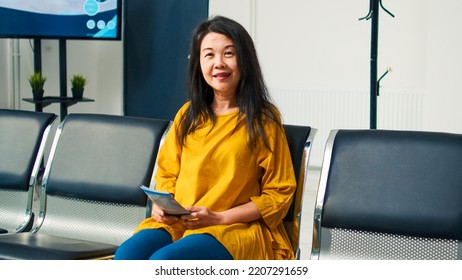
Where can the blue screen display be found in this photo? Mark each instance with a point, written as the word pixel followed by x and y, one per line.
pixel 70 19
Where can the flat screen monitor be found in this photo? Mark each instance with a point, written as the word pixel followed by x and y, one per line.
pixel 61 19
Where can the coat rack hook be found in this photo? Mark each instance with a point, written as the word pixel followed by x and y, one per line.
pixel 371 12
pixel 368 16
pixel 381 77
pixel 388 12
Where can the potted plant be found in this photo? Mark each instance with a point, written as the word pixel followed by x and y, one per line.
pixel 37 81
pixel 78 83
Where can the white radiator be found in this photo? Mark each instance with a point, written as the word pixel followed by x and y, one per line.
pixel 335 109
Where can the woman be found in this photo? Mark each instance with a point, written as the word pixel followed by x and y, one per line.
pixel 226 155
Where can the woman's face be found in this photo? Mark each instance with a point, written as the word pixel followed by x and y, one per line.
pixel 219 64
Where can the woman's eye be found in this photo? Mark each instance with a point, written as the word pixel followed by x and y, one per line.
pixel 208 55
pixel 229 53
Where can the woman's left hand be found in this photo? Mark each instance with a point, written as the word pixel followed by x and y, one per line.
pixel 200 217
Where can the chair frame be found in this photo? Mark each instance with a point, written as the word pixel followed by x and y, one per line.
pixel 292 221
pixel 319 205
pixel 43 196
pixel 48 243
pixel 46 175
pixel 38 158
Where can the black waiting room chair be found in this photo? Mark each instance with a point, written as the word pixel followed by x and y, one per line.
pixel 387 194
pixel 91 199
pixel 23 137
pixel 300 140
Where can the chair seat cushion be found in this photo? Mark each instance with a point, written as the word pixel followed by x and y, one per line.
pixel 36 246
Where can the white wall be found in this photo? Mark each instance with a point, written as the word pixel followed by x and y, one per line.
pixel 308 50
pixel 443 71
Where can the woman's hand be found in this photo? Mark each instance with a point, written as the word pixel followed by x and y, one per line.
pixel 161 217
pixel 201 217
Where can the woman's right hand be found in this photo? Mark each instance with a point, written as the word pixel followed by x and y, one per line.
pixel 160 216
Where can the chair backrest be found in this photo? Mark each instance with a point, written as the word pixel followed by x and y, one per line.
pixel 91 186
pixel 23 136
pixel 389 195
pixel 300 139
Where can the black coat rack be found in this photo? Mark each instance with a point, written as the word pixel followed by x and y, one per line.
pixel 373 14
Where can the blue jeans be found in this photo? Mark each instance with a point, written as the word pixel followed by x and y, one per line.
pixel 157 244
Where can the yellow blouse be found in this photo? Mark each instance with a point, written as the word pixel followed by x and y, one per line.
pixel 217 169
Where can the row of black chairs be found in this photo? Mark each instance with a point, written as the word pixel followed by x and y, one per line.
pixel 90 200
pixel 382 194
pixel 387 194
pixel 89 194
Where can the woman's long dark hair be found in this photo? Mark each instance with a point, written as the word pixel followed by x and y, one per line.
pixel 252 95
